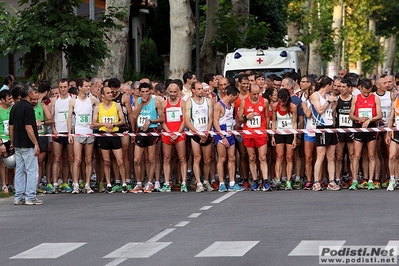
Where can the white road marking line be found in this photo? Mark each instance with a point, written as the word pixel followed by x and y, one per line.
pixel 194 215
pixel 311 247
pixel 226 196
pixel 227 249
pixel 205 208
pixel 115 262
pixel 48 251
pixel 137 250
pixel 182 224
pixel 160 235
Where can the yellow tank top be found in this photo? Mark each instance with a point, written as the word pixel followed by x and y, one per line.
pixel 109 115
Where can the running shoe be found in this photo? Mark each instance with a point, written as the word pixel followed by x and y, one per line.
pixel 19 202
pixel 317 187
pixel 39 189
pixel 5 190
pixel 297 184
pixel 255 186
pixel 391 185
pixel 371 185
pixel 101 187
pixel 148 187
pixel 208 186
pixel 137 189
pixel 222 188
pixel 215 185
pixel 236 187
pixel 308 186
pixel 246 185
pixel 34 201
pixel 333 186
pixel 54 190
pixel 277 183
pixel 288 185
pixel 363 184
pixel 353 185
pixel 129 187
pixel 183 187
pixel 117 188
pixel 109 189
pixel 49 188
pixel 165 188
pixel 65 188
pixel 75 188
pixel 266 186
pixel 88 189
pixel 377 184
pixel 385 183
pixel 199 188
pixel 157 186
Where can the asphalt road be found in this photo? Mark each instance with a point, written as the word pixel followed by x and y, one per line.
pixel 211 228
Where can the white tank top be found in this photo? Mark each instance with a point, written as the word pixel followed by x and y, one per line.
pixel 84 113
pixel 61 114
pixel 199 115
pixel 326 118
pixel 227 120
pixel 385 107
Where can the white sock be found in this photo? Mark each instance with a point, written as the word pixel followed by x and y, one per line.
pixel 232 183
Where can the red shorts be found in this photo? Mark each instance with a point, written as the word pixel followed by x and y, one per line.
pixel 254 142
pixel 166 139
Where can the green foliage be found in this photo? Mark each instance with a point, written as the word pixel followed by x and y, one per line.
pixel 359 41
pixel 261 29
pixel 150 62
pixel 387 17
pixel 317 25
pixel 47 26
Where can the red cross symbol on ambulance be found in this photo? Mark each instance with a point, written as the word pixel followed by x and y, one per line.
pixel 260 60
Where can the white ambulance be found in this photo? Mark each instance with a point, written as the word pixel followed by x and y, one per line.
pixel 269 61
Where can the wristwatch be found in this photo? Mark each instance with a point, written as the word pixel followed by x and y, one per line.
pixel 223 136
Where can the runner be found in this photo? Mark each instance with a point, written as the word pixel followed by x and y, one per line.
pixel 198 118
pixel 365 112
pixel 173 109
pixel 223 119
pixel 284 117
pixel 253 113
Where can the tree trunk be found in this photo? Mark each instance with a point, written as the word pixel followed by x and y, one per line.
pixel 114 65
pixel 293 33
pixel 241 8
pixel 181 37
pixel 337 22
pixel 389 51
pixel 53 66
pixel 208 53
pixel 315 56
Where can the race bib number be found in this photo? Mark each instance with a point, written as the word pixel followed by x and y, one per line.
pixel 397 121
pixel 5 125
pixel 142 119
pixel 344 120
pixel 201 121
pixel 384 115
pixel 173 114
pixel 108 119
pixel 365 112
pixel 284 123
pixel 82 119
pixel 62 116
pixel 254 122
pixel 329 115
pixel 40 129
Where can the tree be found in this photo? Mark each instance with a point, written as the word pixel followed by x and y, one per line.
pixel 116 41
pixel 45 30
pixel 181 39
pixel 208 51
